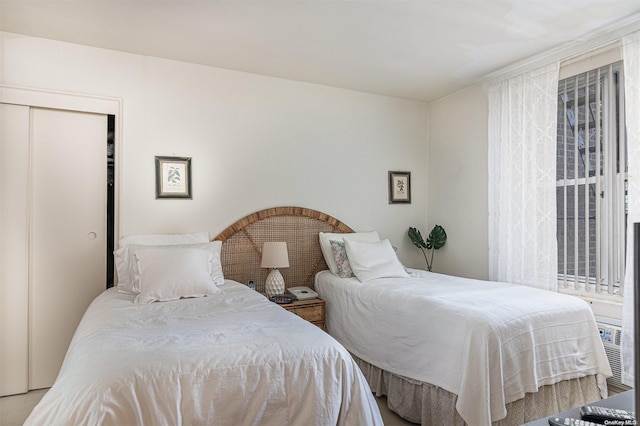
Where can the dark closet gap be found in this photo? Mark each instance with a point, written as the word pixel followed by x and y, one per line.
pixel 111 126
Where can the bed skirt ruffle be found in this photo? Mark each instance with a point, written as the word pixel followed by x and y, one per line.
pixel 428 404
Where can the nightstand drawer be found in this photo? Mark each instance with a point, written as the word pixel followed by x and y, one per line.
pixel 310 310
pixel 310 313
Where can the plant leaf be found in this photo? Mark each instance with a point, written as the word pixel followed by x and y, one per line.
pixel 416 238
pixel 437 238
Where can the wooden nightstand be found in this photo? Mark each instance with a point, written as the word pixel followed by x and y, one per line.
pixel 311 310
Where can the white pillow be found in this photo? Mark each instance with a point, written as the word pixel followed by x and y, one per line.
pixel 165 239
pixel 121 256
pixel 169 274
pixel 327 237
pixel 126 263
pixel 374 260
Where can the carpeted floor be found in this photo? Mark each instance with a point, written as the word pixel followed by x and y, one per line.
pixel 15 409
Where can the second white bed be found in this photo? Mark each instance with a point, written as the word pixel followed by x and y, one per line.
pixel 488 343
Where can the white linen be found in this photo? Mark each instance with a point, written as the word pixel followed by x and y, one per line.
pixel 374 260
pixel 127 264
pixel 487 342
pixel 325 239
pixel 173 274
pixel 231 359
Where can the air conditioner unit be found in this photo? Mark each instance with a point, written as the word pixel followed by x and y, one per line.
pixel 610 333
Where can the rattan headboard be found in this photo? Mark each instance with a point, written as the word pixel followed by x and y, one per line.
pixel 299 227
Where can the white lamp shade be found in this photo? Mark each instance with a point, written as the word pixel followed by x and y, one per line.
pixel 275 255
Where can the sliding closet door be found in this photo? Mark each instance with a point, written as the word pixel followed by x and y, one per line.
pixel 14 225
pixel 68 231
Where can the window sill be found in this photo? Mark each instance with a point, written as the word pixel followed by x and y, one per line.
pixel 602 306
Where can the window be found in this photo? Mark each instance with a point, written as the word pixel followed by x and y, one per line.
pixel 591 181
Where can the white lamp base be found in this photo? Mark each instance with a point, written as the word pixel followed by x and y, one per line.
pixel 274 284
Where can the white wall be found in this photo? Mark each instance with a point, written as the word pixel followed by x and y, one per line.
pixel 458 182
pixel 256 141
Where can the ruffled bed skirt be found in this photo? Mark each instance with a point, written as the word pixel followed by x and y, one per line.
pixel 428 404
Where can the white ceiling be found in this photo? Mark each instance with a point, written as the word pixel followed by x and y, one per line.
pixel 411 49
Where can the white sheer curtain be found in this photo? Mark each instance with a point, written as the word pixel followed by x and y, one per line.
pixel 522 179
pixel 631 64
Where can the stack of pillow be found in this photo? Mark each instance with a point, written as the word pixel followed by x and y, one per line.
pixel 160 267
pixel 362 255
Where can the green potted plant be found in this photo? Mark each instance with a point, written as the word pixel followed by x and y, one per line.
pixel 435 241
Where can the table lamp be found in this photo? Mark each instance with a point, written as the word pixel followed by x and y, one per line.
pixel 274 256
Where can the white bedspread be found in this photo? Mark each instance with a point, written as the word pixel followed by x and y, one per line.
pixel 232 359
pixel 487 342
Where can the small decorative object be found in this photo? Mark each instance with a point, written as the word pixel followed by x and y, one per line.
pixel 173 177
pixel 436 240
pixel 283 299
pixel 399 187
pixel 274 256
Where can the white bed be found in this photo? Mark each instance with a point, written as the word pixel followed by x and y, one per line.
pixel 181 341
pixel 232 358
pixel 431 340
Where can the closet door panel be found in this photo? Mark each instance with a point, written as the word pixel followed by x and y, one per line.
pixel 14 225
pixel 68 231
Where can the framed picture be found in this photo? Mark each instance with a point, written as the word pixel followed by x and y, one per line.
pixel 399 187
pixel 173 177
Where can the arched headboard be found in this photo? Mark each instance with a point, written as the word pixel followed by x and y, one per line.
pixel 298 226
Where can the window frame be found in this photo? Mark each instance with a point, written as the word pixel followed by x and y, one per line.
pixel 610 149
